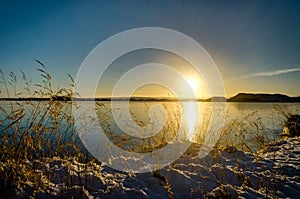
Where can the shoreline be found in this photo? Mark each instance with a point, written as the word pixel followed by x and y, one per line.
pixel 240 97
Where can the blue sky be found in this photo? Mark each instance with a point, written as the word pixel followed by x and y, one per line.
pixel 255 44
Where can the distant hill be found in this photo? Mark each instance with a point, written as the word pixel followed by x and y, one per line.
pixel 250 97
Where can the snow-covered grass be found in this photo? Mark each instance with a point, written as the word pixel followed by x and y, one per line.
pixel 228 173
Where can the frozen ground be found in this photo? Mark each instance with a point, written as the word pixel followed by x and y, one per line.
pixel 227 173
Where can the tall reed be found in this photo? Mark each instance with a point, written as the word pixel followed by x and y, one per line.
pixel 39 127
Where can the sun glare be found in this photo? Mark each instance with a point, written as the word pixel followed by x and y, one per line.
pixel 198 86
pixel 193 82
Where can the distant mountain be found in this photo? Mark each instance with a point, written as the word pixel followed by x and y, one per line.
pixel 250 97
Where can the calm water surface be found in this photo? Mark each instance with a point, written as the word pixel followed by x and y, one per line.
pixel 158 122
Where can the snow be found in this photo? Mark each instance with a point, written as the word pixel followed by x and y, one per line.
pixel 227 172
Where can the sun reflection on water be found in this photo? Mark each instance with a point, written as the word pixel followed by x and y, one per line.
pixel 191 113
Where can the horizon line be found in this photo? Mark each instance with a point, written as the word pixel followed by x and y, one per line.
pixel 142 98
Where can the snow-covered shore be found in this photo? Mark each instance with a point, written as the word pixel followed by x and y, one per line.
pixel 229 172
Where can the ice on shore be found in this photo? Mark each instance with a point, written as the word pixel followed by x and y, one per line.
pixel 228 172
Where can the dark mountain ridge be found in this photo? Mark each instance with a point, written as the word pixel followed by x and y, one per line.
pixel 262 97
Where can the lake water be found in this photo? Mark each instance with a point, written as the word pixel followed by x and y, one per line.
pixel 248 125
pixel 150 125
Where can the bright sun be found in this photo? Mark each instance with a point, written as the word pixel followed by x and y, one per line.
pixel 198 87
pixel 193 82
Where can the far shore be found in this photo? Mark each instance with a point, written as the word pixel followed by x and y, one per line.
pixel 241 97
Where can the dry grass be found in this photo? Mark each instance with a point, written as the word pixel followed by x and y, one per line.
pixel 33 130
pixel 250 133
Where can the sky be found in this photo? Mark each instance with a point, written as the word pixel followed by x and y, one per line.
pixel 255 44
